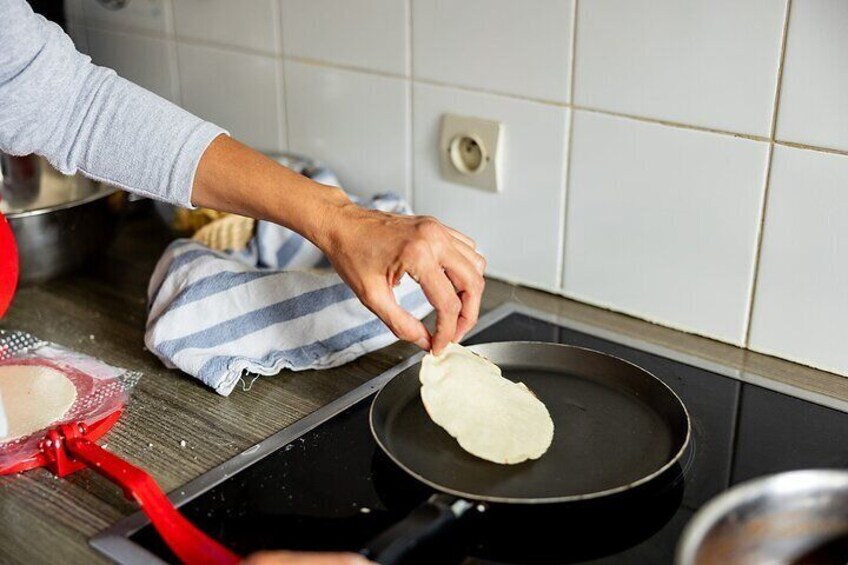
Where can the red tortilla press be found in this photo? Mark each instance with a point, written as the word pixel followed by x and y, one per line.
pixel 67 448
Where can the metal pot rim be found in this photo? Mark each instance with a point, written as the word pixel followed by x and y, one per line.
pixel 786 483
pixel 103 191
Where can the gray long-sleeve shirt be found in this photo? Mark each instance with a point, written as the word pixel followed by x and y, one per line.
pixel 84 118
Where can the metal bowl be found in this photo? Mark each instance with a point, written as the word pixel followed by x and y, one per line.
pixel 60 222
pixel 793 517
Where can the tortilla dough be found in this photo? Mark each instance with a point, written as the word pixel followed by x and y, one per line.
pixel 489 415
pixel 31 398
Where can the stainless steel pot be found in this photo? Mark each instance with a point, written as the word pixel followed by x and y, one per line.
pixel 59 221
pixel 793 517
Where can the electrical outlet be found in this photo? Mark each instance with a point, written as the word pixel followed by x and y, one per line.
pixel 469 151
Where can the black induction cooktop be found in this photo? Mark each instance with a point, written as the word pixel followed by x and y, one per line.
pixel 323 484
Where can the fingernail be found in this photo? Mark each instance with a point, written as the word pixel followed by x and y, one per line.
pixel 423 344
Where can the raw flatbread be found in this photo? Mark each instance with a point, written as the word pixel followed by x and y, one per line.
pixel 31 398
pixel 489 415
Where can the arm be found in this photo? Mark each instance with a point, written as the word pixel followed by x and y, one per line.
pixel 370 250
pixel 84 118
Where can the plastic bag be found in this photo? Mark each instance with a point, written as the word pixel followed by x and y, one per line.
pixel 101 388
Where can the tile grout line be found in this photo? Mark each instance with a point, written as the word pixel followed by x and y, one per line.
pixel 173 37
pixel 569 137
pixel 818 148
pixel 572 60
pixel 128 30
pixel 767 181
pixel 197 42
pixel 411 114
pixel 173 32
pixel 285 105
pixel 670 123
pixel 572 106
pixel 433 82
pixel 281 45
pixel 117 28
pixel 755 274
pixel 176 51
pixel 342 67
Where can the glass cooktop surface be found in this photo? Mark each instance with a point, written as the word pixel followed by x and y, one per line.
pixel 331 488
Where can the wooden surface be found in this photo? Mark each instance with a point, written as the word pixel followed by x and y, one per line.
pixel 102 313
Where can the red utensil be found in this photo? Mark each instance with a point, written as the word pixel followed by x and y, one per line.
pixel 8 265
pixel 69 447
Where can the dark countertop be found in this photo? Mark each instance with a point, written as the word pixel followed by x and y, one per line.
pixel 102 313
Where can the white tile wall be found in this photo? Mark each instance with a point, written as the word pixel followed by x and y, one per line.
pixel 371 34
pixel 813 108
pixel 518 229
pixel 801 304
pixel 254 25
pixel 76 31
pixel 239 91
pixel 73 10
pixel 710 63
pixel 503 46
pixel 148 61
pixel 357 123
pixel 662 223
pixel 143 15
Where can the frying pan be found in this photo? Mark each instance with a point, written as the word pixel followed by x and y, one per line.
pixel 616 427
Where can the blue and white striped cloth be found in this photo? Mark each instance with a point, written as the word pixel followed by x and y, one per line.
pixel 275 305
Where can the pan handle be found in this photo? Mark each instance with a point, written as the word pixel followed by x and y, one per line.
pixel 432 517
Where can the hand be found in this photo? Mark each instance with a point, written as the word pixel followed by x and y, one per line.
pixel 292 558
pixel 370 250
pixel 373 250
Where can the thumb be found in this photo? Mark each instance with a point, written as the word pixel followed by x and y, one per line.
pixel 380 299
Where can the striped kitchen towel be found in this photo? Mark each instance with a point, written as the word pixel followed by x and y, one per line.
pixel 275 305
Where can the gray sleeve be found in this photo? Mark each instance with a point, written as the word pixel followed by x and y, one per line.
pixel 84 118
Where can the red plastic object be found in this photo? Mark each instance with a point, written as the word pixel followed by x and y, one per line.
pixel 41 459
pixel 8 265
pixel 68 448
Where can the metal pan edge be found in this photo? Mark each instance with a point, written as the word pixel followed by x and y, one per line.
pixel 545 500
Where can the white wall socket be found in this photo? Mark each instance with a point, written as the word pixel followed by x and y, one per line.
pixel 469 151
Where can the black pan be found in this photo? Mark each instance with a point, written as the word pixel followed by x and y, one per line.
pixel 616 427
